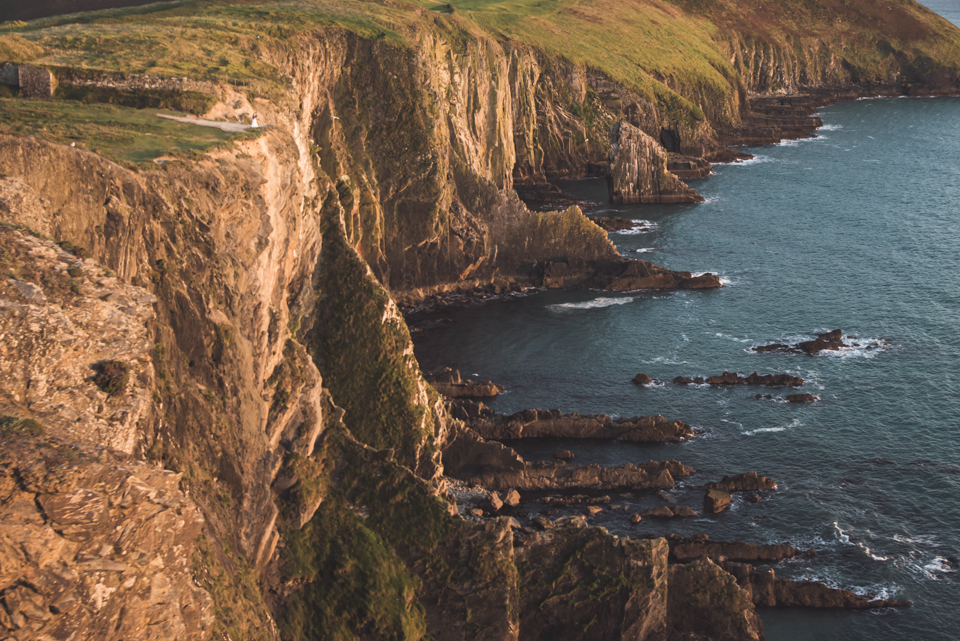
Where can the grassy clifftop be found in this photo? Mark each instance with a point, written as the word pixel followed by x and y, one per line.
pixel 675 54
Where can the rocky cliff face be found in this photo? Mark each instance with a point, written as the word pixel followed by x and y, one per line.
pixel 232 319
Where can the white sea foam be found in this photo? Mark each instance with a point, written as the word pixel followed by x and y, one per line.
pixel 724 280
pixel 750 161
pixel 664 360
pixel 830 128
pixel 844 538
pixel 796 142
pixel 732 338
pixel 645 250
pixel 645 227
pixel 710 200
pixel 938 565
pixel 596 303
pixel 763 430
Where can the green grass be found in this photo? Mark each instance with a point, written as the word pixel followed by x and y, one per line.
pixel 128 136
pixel 669 52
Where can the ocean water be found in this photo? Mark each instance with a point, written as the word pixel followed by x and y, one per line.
pixel 858 229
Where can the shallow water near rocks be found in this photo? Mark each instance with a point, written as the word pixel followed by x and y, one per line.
pixel 859 229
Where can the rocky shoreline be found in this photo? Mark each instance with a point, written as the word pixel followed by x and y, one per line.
pixel 481 457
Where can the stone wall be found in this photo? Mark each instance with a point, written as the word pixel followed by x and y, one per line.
pixel 36 82
pixel 134 82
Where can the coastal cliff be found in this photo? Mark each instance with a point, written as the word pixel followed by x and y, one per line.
pixel 225 309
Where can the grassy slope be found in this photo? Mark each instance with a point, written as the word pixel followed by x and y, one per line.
pixel 132 137
pixel 864 32
pixel 665 50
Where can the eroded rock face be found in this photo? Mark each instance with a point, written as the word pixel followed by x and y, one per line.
pixel 60 322
pixel 96 547
pixel 638 170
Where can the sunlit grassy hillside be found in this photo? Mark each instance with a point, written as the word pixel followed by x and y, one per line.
pixel 673 53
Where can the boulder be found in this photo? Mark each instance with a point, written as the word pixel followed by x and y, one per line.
pixel 636 518
pixel 494 502
pixel 716 501
pixel 592 510
pixel 663 512
pixel 642 379
pixel 512 499
pixel 543 522
pixel 801 398
pixel 563 455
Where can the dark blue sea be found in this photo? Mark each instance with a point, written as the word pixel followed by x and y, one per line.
pixel 857 229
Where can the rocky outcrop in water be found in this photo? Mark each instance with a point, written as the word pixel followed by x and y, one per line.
pixel 638 170
pixel 449 383
pixel 766 590
pixel 497 467
pixel 746 482
pixel 535 423
pixel 686 549
pixel 831 341
pixel 732 378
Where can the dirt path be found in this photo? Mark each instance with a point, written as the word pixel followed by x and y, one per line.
pixel 224 126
